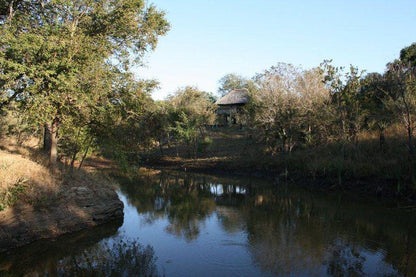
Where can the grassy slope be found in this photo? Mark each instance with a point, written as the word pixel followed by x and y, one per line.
pixel 36 203
pixel 24 178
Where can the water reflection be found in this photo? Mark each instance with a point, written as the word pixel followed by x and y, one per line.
pixel 86 253
pixel 110 258
pixel 287 230
pixel 198 225
pixel 45 255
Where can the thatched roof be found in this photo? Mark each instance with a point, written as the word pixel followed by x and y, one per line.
pixel 234 97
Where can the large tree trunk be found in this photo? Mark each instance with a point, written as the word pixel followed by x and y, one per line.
pixel 161 147
pixel 47 138
pixel 382 139
pixel 53 157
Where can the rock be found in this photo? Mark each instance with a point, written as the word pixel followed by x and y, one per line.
pixel 77 209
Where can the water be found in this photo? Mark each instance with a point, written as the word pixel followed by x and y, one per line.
pixel 198 225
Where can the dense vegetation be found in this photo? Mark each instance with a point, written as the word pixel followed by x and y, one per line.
pixel 65 78
pixel 65 68
pixel 326 122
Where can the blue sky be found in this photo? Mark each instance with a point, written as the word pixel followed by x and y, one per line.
pixel 211 38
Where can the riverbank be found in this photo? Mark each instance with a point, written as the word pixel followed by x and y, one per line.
pixel 364 187
pixel 361 169
pixel 38 204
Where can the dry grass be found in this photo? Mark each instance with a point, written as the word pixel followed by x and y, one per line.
pixel 28 149
pixel 25 178
pixel 14 167
pixel 21 178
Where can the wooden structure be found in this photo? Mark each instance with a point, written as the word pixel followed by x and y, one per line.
pixel 230 105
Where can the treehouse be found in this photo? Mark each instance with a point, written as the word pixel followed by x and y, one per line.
pixel 230 106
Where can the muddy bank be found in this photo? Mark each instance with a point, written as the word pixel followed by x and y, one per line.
pixel 76 208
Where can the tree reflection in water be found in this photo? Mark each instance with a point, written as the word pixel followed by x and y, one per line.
pixel 112 258
pixel 289 231
pixel 240 225
pixel 185 201
pixel 95 252
pixel 301 232
pixel 344 260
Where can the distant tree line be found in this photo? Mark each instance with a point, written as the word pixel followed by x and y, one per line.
pixel 292 108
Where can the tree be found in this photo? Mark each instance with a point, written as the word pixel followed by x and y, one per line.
pixel 233 81
pixel 191 110
pixel 400 89
pixel 124 125
pixel 373 99
pixel 408 54
pixel 289 107
pixel 345 93
pixel 55 55
pixel 315 106
pixel 278 103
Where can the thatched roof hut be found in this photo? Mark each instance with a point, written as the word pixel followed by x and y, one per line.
pixel 230 105
pixel 234 97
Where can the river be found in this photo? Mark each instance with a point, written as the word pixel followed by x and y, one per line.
pixel 178 224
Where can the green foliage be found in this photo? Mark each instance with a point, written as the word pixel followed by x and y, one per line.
pixel 14 123
pixel 76 142
pixel 190 110
pixel 125 126
pixel 205 144
pixel 233 81
pixel 186 128
pixel 345 91
pixel 11 195
pixel 64 61
pixel 408 54
pixel 400 92
pixel 373 100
